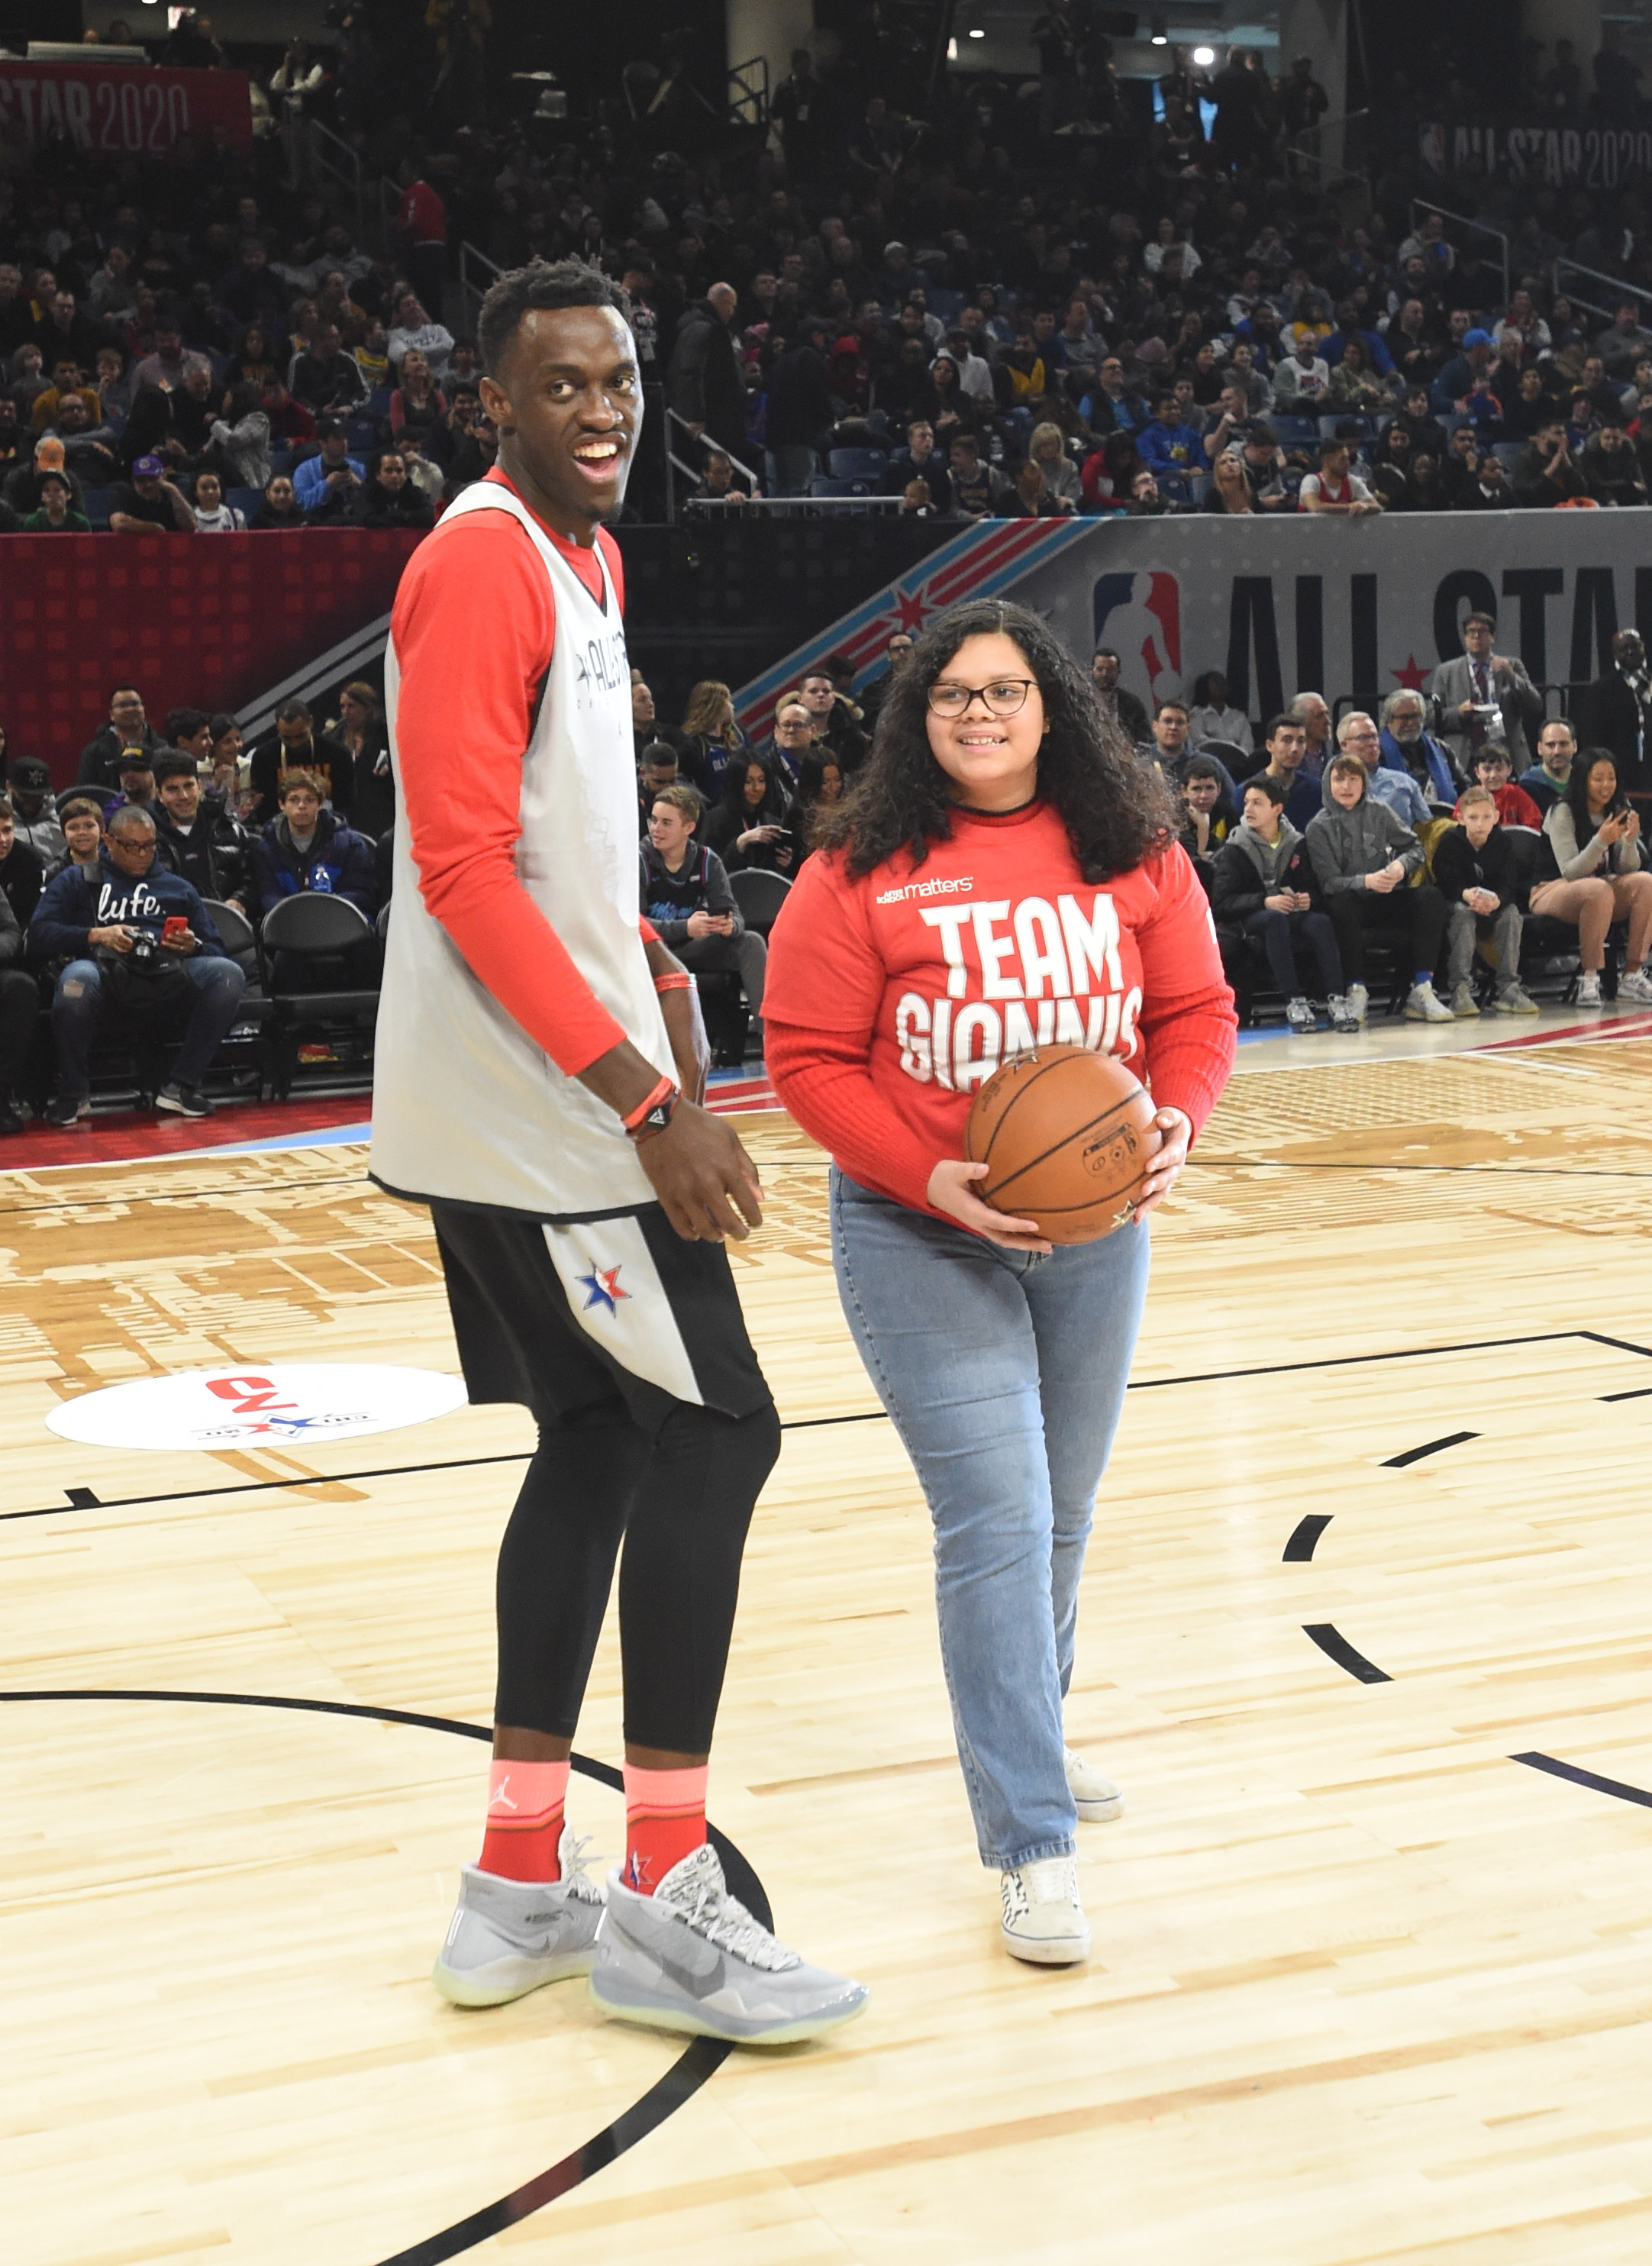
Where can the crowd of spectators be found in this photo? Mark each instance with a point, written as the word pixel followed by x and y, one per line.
pixel 982 296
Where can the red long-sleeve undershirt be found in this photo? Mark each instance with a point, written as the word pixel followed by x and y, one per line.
pixel 473 627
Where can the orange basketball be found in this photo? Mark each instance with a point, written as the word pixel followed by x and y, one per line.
pixel 1063 1131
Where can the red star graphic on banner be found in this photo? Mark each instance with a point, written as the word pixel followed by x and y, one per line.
pixel 1410 676
pixel 911 610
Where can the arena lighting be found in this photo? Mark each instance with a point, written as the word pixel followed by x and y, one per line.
pixel 1204 57
pixel 1159 37
pixel 976 33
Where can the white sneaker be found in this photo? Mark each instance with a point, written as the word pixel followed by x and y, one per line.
pixel 507 1937
pixel 1342 1016
pixel 1513 1001
pixel 1589 992
pixel 1096 1798
pixel 1636 985
pixel 1424 1004
pixel 1043 1921
pixel 691 1957
pixel 1462 1005
pixel 1299 1015
pixel 1358 999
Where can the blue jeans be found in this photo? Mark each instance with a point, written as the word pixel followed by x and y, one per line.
pixel 79 1002
pixel 1004 1374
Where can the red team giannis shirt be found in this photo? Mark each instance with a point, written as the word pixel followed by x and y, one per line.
pixel 891 998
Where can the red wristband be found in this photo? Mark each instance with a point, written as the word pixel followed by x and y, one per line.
pixel 676 979
pixel 652 1113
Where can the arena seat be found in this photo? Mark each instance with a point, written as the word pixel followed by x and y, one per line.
pixel 759 896
pixel 857 465
pixel 336 940
pixel 1295 432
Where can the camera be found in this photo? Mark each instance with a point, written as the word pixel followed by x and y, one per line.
pixel 142 949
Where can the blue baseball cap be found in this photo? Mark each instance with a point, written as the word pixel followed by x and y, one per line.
pixel 1476 338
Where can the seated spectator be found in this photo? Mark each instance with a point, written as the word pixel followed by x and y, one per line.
pixel 1591 872
pixel 136 772
pixel 687 899
pixel 1493 770
pixel 1213 716
pixel 1147 501
pixel 281 510
pixel 308 848
pixel 196 837
pixel 657 769
pixel 1544 473
pixel 1474 872
pixel 324 379
pixel 389 499
pixel 720 483
pixel 291 425
pixel 920 459
pixel 415 331
pixel 141 953
pixel 1029 497
pixel 1209 812
pixel 1334 488
pixel 417 403
pixel 22 870
pixel 333 474
pixel 55 515
pixel 129 727
pixel 1167 746
pixel 1406 744
pixel 189 730
pixel 20 1007
pixel 1286 739
pixel 1612 468
pixel 1357 735
pixel 35 806
pixel 1391 463
pixel 1355 385
pixel 1047 449
pixel 295 745
pixel 1229 490
pixel 834 718
pixel 1300 379
pixel 1483 487
pixel 710 739
pixel 149 501
pixel 213 515
pixel 224 763
pixel 747 828
pixel 1547 779
pixel 793 740
pixel 1262 881
pixel 976 488
pixel 1363 859
pixel 820 784
pixel 1167 445
pixel 81 817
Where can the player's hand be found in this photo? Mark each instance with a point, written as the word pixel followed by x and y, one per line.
pixel 703 1176
pixel 1174 1131
pixel 952 1190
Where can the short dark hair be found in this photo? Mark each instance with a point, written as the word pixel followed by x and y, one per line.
pixel 1201 767
pixel 541 283
pixel 72 805
pixel 115 690
pixel 1479 621
pixel 291 782
pixel 172 762
pixel 1283 721
pixel 656 753
pixel 1181 706
pixel 1105 651
pixel 184 723
pixel 1265 784
pixel 221 723
pixel 293 712
pixel 1334 446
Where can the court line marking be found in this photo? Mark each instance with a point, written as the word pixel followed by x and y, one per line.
pixel 1336 1647
pixel 809 1423
pixel 1615 1786
pixel 1429 1448
pixel 699 2061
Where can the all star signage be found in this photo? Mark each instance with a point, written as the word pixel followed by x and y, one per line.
pixel 274 1406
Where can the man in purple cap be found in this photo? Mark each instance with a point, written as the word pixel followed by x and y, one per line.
pixel 150 501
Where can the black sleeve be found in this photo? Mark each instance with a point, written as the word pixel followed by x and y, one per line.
pixel 1236 887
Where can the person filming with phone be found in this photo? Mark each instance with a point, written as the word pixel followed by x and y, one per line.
pixel 140 953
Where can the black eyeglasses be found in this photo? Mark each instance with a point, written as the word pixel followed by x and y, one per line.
pixel 1004 697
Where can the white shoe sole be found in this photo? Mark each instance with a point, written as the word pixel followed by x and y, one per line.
pixel 1099 1813
pixel 685 2023
pixel 1047 1950
pixel 501 1980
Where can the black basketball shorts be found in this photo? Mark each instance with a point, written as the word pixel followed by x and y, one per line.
pixel 567 1316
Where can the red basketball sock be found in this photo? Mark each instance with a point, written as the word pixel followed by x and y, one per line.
pixel 525 1803
pixel 665 1819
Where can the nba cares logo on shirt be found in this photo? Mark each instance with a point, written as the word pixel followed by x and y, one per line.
pixel 266 1406
pixel 1139 616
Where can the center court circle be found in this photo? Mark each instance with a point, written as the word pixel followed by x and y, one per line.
pixel 258 1406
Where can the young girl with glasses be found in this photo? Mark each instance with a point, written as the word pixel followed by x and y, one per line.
pixel 1003 872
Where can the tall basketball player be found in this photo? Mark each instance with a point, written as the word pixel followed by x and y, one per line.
pixel 536 1062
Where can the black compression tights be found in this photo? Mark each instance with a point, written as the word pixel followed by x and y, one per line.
pixel 681 1500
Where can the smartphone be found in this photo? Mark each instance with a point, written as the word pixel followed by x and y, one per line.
pixel 175 926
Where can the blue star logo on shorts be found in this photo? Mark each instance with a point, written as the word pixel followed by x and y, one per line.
pixel 603 1283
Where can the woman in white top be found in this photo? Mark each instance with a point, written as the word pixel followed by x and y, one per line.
pixel 1049 451
pixel 1592 870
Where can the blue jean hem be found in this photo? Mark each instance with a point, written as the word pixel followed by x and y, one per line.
pixel 1068 1847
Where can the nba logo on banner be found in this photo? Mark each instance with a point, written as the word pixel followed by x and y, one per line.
pixel 1139 615
pixel 259 1407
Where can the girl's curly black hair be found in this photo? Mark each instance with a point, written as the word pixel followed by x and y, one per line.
pixel 1116 808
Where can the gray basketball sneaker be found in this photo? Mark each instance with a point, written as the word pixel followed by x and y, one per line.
pixel 507 1937
pixel 691 1957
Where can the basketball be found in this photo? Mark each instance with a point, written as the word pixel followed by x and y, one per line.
pixel 1063 1131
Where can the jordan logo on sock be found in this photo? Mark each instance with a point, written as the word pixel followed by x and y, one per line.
pixel 500 1800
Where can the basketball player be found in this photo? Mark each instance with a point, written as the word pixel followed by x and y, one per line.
pixel 536 1059
pixel 1003 873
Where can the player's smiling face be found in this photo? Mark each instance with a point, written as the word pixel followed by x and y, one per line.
pixel 568 402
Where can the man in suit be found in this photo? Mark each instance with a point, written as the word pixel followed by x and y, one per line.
pixel 1469 695
pixel 1613 713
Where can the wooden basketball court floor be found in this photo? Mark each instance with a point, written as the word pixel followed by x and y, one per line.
pixel 1365 1636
